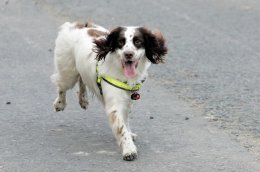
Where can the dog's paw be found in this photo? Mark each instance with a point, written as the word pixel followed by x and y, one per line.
pixel 130 156
pixel 130 153
pixel 134 136
pixel 59 105
pixel 83 102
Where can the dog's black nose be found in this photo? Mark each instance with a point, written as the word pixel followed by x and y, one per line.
pixel 129 55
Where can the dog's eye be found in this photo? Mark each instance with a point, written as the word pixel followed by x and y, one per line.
pixel 137 42
pixel 121 42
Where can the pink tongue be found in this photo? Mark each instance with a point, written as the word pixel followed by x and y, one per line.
pixel 129 70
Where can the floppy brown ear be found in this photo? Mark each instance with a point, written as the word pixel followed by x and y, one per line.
pixel 108 44
pixel 155 48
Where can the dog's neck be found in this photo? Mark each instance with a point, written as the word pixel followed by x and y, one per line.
pixel 113 68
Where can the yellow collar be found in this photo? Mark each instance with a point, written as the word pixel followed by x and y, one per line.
pixel 115 83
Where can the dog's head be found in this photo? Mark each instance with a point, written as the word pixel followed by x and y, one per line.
pixel 131 44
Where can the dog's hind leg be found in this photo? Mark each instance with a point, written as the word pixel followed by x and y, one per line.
pixel 66 74
pixel 60 102
pixel 63 81
pixel 83 101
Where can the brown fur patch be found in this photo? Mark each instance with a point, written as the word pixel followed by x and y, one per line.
pixel 158 34
pixel 81 25
pixel 91 25
pixel 112 116
pixel 119 130
pixel 96 33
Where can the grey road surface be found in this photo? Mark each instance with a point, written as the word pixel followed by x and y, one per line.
pixel 198 112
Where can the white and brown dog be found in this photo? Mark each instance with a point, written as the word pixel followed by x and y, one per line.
pixel 119 59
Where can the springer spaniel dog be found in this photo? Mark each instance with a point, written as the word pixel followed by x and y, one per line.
pixel 110 64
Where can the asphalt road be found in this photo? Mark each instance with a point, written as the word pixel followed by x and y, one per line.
pixel 199 111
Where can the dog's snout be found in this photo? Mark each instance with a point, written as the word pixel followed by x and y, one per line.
pixel 129 55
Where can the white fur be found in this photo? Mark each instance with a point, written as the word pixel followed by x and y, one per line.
pixel 74 57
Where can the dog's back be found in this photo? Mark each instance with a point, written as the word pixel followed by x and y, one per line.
pixel 73 43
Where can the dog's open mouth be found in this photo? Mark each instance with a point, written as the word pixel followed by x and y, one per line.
pixel 129 68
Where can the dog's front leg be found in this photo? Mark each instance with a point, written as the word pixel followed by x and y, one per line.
pixel 122 134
